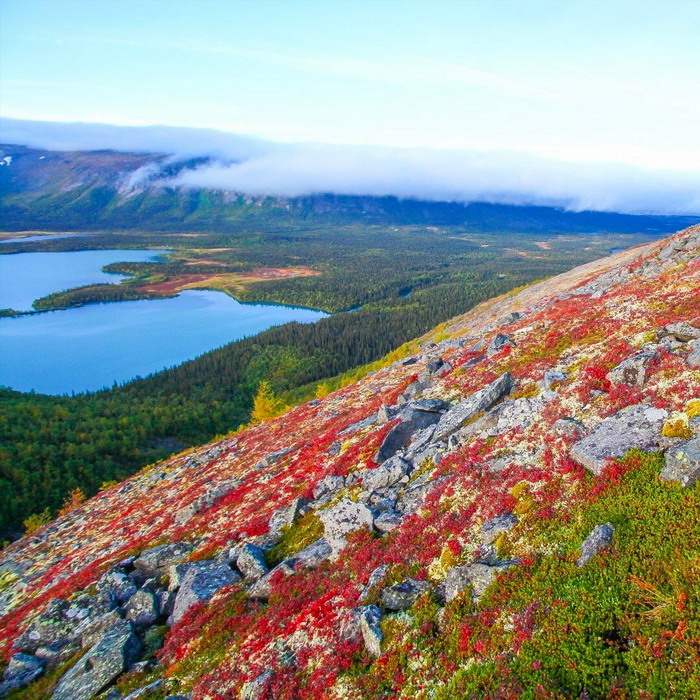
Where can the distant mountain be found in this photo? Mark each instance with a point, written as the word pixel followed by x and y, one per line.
pixel 116 190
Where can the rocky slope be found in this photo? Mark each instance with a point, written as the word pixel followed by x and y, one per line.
pixel 508 508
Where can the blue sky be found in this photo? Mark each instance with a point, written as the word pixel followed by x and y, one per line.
pixel 588 82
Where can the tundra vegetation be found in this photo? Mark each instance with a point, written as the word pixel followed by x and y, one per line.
pixel 505 507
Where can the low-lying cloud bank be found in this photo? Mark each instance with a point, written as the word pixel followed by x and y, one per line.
pixel 257 167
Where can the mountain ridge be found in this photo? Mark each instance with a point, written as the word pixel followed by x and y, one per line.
pixel 113 189
pixel 386 540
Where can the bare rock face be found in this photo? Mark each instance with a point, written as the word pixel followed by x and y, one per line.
pixel 386 474
pixel 633 370
pixel 200 583
pixel 500 341
pixel 288 515
pixel 112 655
pixel 600 538
pixel 413 418
pixel 467 409
pixel 683 463
pixel 403 595
pixel 635 426
pixel 342 519
pixel 494 527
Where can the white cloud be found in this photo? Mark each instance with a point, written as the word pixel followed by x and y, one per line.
pixel 253 166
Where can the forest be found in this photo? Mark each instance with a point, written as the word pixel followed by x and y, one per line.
pixel 401 281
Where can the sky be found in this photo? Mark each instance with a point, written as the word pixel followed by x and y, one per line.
pixel 608 87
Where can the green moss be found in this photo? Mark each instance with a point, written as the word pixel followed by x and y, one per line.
pixel 306 530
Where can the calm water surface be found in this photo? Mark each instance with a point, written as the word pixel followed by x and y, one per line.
pixel 25 277
pixel 93 346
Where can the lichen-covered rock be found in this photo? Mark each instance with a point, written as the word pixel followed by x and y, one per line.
pixel 412 420
pixel 328 486
pixel 387 521
pixel 683 463
pixel 470 407
pixel 251 562
pixel 22 670
pixel 494 527
pixel 212 494
pixel 413 498
pixel 94 631
pixel 474 577
pixel 111 656
pixel 118 584
pixel 386 474
pixel 600 538
pixel 342 519
pixel 569 428
pixel 633 370
pixel 258 687
pixel 500 341
pixel 635 426
pixel 519 413
pixel 155 562
pixel 200 583
pixel 312 556
pixel 142 608
pixel 693 357
pixel 682 331
pixel 403 595
pixel 369 617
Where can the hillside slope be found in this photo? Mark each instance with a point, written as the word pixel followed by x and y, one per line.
pixel 510 509
pixel 85 190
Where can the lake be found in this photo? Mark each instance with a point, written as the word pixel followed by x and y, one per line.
pixel 25 277
pixel 91 347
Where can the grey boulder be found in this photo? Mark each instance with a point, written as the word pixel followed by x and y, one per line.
pixel 111 656
pixel 683 463
pixel 199 584
pixel 369 617
pixel 251 562
pixel 413 419
pixel 340 520
pixel 386 474
pixel 633 370
pixel 142 608
pixel 470 407
pixel 635 426
pixel 155 562
pixel 403 595
pixel 20 672
pixel 682 331
pixel 474 577
pixel 600 538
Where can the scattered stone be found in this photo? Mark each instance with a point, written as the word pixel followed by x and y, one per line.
pixel 142 608
pixel 206 500
pixel 51 628
pixel 112 655
pixel 199 584
pixel 634 426
pixel 693 357
pixel 335 448
pixel 262 588
pixel 342 519
pixel 251 562
pixel 434 365
pixel 570 428
pixel 155 562
pixel 146 690
pixel 96 629
pixel 600 538
pixel 288 515
pixel 519 413
pixel 633 370
pixel 360 425
pixel 683 463
pixel 681 331
pixel 412 499
pixel 500 341
pixel 22 670
pixel 388 521
pixel 506 320
pixel 470 407
pixel 118 584
pixel 403 595
pixel 386 474
pixel 369 617
pixel 413 419
pixel 312 556
pixel 328 486
pixel 374 579
pixel 494 527
pixel 476 577
pixel 257 688
pixel 55 655
pixel 270 459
